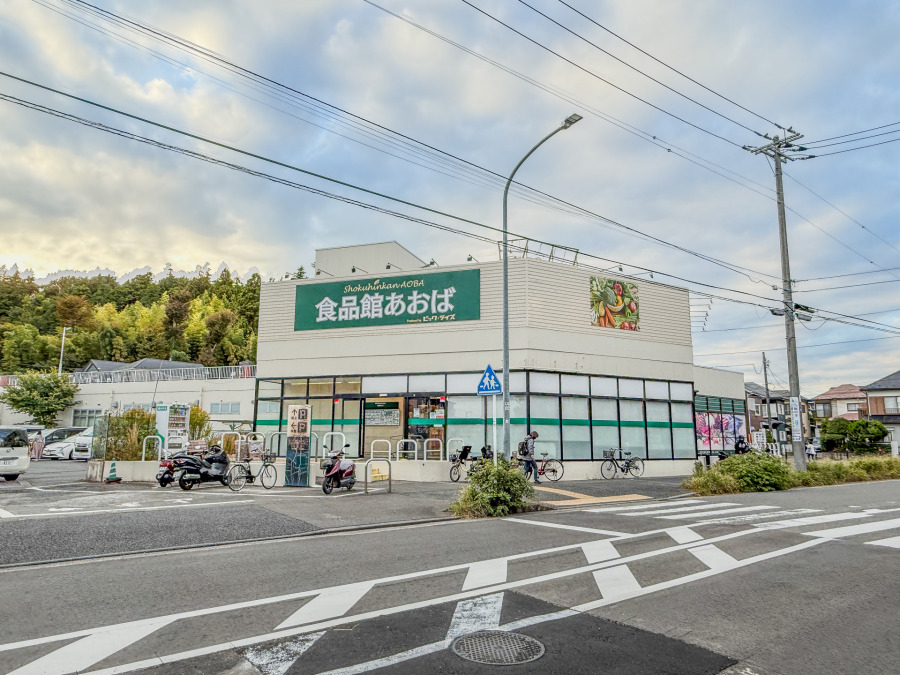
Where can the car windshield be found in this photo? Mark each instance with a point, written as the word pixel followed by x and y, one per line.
pixel 12 438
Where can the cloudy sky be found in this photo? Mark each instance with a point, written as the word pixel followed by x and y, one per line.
pixel 427 101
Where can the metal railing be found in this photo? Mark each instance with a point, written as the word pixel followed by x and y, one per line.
pixel 401 448
pixel 372 449
pixel 148 375
pixel 439 449
pixel 366 472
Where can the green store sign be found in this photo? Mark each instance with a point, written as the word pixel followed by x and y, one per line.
pixel 435 297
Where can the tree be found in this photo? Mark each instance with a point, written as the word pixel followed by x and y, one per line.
pixel 299 274
pixel 41 396
pixel 834 433
pixel 862 435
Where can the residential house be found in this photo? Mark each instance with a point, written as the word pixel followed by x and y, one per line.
pixel 845 400
pixel 883 402
pixel 778 419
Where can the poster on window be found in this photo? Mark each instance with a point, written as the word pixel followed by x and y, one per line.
pixel 614 304
pixel 296 466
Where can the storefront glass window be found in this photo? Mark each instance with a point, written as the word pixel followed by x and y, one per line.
pixel 659 436
pixel 544 383
pixel 682 391
pixel 631 388
pixel 683 437
pixel 659 390
pixel 604 386
pixel 517 421
pixel 321 424
pixel 575 384
pixel 463 383
pixel 426 383
pixel 605 425
pixel 466 423
pixel 426 423
pixel 516 381
pixel 294 388
pixel 632 423
pixel 269 389
pixel 322 386
pixel 545 420
pixel 347 385
pixel 267 421
pixel 576 428
pixel 390 384
pixel 346 420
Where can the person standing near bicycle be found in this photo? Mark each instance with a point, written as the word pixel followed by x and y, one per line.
pixel 526 449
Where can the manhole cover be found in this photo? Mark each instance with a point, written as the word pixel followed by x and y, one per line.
pixel 497 647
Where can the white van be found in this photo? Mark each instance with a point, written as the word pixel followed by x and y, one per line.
pixel 14 457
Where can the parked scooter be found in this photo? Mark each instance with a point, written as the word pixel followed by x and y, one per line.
pixel 166 474
pixel 191 470
pixel 339 472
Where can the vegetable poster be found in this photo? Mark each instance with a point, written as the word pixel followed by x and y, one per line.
pixel 614 304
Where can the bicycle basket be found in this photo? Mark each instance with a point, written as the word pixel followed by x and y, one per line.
pixel 609 454
pixel 268 457
pixel 453 458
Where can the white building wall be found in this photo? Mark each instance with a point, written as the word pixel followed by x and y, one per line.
pixel 721 383
pixel 549 329
pixel 368 259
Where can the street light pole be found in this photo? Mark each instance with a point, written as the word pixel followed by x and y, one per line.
pixel 569 121
pixel 62 348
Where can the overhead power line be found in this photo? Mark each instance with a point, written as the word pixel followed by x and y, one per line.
pixel 822 344
pixel 536 195
pixel 635 69
pixel 666 65
pixel 864 131
pixel 598 77
pixel 851 274
pixel 852 140
pixel 194 154
pixel 861 147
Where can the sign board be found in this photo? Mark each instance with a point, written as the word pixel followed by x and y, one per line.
pixel 759 439
pixel 796 424
pixel 296 465
pixel 614 304
pixel 382 417
pixel 433 297
pixel 489 385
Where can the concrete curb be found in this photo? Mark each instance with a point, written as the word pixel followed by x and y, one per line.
pixel 190 547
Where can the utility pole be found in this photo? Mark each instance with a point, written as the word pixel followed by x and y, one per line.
pixel 776 150
pixel 768 409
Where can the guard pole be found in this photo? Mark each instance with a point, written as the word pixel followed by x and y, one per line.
pixel 494 424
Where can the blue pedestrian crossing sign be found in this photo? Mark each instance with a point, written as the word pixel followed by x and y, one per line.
pixel 489 385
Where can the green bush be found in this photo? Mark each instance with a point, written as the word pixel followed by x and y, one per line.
pixel 756 472
pixel 122 436
pixel 493 491
pixel 711 483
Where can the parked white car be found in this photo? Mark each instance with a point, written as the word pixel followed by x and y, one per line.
pixel 61 442
pixel 14 457
pixel 83 442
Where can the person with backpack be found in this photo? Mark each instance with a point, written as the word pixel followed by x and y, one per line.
pixel 741 447
pixel 526 452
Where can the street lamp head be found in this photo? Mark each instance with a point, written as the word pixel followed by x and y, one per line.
pixel 571 119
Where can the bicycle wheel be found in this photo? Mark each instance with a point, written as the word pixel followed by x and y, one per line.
pixel 268 476
pixel 637 467
pixel 608 469
pixel 236 478
pixel 454 472
pixel 553 470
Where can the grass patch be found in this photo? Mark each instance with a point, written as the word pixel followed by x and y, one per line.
pixel 493 491
pixel 761 473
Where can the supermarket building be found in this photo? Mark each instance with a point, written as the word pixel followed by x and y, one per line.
pixel 386 348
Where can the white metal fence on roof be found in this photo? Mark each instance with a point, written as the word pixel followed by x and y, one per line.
pixel 172 374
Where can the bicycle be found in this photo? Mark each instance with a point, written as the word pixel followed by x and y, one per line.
pixel 611 466
pixel 552 469
pixel 475 463
pixel 241 473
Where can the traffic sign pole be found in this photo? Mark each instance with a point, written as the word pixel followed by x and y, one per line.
pixel 494 422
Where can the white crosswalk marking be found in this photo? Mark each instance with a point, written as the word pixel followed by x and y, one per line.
pixel 680 509
pixel 485 573
pixel 683 534
pixel 810 520
pixel 737 520
pixel 598 551
pixel 851 530
pixel 332 602
pixel 476 614
pixel 655 505
pixel 278 660
pixel 82 654
pixel 713 557
pixel 891 542
pixel 615 582
pixel 704 514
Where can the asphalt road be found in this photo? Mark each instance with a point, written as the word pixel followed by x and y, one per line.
pixel 763 584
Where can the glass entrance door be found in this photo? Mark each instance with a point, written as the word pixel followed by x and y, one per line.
pixel 425 422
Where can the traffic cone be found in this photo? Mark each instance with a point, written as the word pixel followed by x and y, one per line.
pixel 112 477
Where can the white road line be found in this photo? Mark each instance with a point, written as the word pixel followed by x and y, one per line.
pixel 598 551
pixel 278 660
pixel 680 509
pixel 87 651
pixel 485 573
pixel 810 520
pixel 892 542
pixel 851 530
pixel 476 614
pixel 123 510
pixel 655 505
pixel 330 603
pixel 737 520
pixel 683 535
pixel 703 514
pixel 616 582
pixel 559 526
pixel 713 557
pixel 6 514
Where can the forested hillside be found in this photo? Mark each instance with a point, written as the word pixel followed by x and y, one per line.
pixel 213 322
